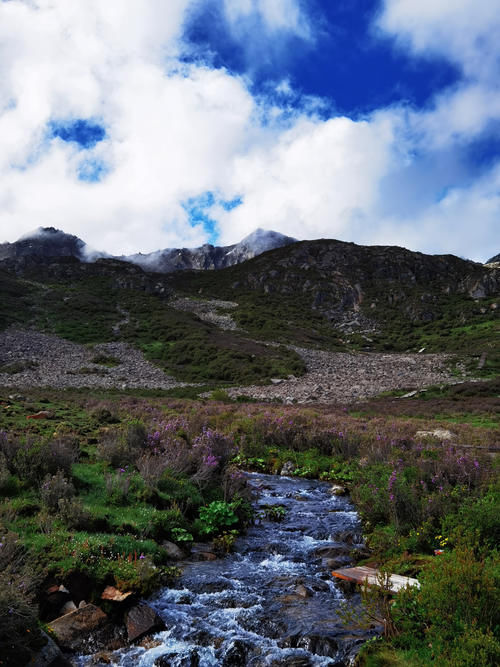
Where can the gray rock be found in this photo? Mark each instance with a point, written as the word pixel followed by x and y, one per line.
pixel 440 433
pixel 173 551
pixel 68 607
pixel 332 551
pixel 191 659
pixel 235 655
pixel 337 490
pixel 303 591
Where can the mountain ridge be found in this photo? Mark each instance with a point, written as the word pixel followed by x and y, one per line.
pixel 49 243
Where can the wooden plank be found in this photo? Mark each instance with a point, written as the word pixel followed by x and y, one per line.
pixel 371 577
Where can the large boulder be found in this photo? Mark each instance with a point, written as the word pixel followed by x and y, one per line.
pixel 74 629
pixel 333 550
pixel 438 433
pixel 235 654
pixel 141 620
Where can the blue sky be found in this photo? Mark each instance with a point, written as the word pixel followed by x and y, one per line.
pixel 140 124
pixel 345 62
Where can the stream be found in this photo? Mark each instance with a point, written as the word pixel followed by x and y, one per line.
pixel 271 602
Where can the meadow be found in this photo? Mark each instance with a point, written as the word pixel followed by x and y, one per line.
pixel 94 488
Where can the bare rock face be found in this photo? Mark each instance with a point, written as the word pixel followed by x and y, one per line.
pixel 209 257
pixel 142 620
pixel 73 629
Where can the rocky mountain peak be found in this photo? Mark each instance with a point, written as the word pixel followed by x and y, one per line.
pixel 44 242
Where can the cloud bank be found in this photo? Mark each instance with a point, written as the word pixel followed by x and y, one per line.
pixel 108 131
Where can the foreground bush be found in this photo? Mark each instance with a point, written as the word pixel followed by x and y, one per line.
pixel 19 630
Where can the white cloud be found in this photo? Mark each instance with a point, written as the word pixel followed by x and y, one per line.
pixel 464 222
pixel 463 31
pixel 176 131
pixel 314 180
pixel 274 16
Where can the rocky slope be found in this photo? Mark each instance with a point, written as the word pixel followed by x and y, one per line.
pixel 208 256
pixel 45 243
pixel 31 359
pixel 337 377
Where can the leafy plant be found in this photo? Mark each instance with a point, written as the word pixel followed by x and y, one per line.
pixel 224 544
pixel 274 512
pixel 216 516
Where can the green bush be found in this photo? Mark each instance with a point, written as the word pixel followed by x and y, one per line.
pixel 459 593
pixel 479 517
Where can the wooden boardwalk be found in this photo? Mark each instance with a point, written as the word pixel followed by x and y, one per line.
pixel 371 577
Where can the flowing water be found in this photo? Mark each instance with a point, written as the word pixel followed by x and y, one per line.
pixel 273 601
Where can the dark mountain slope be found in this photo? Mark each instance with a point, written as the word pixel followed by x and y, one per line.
pixel 376 297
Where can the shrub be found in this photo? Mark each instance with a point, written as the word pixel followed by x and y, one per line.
pixel 19 630
pixel 104 416
pixel 121 449
pixel 60 454
pixel 9 484
pixel 459 593
pixel 55 488
pixel 32 461
pixel 476 648
pixel 224 544
pixel 478 517
pixel 151 468
pixel 123 487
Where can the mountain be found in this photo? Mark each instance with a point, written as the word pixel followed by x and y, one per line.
pixel 381 297
pixel 209 256
pixel 49 243
pixel 217 325
pixel 45 243
pixel 494 259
